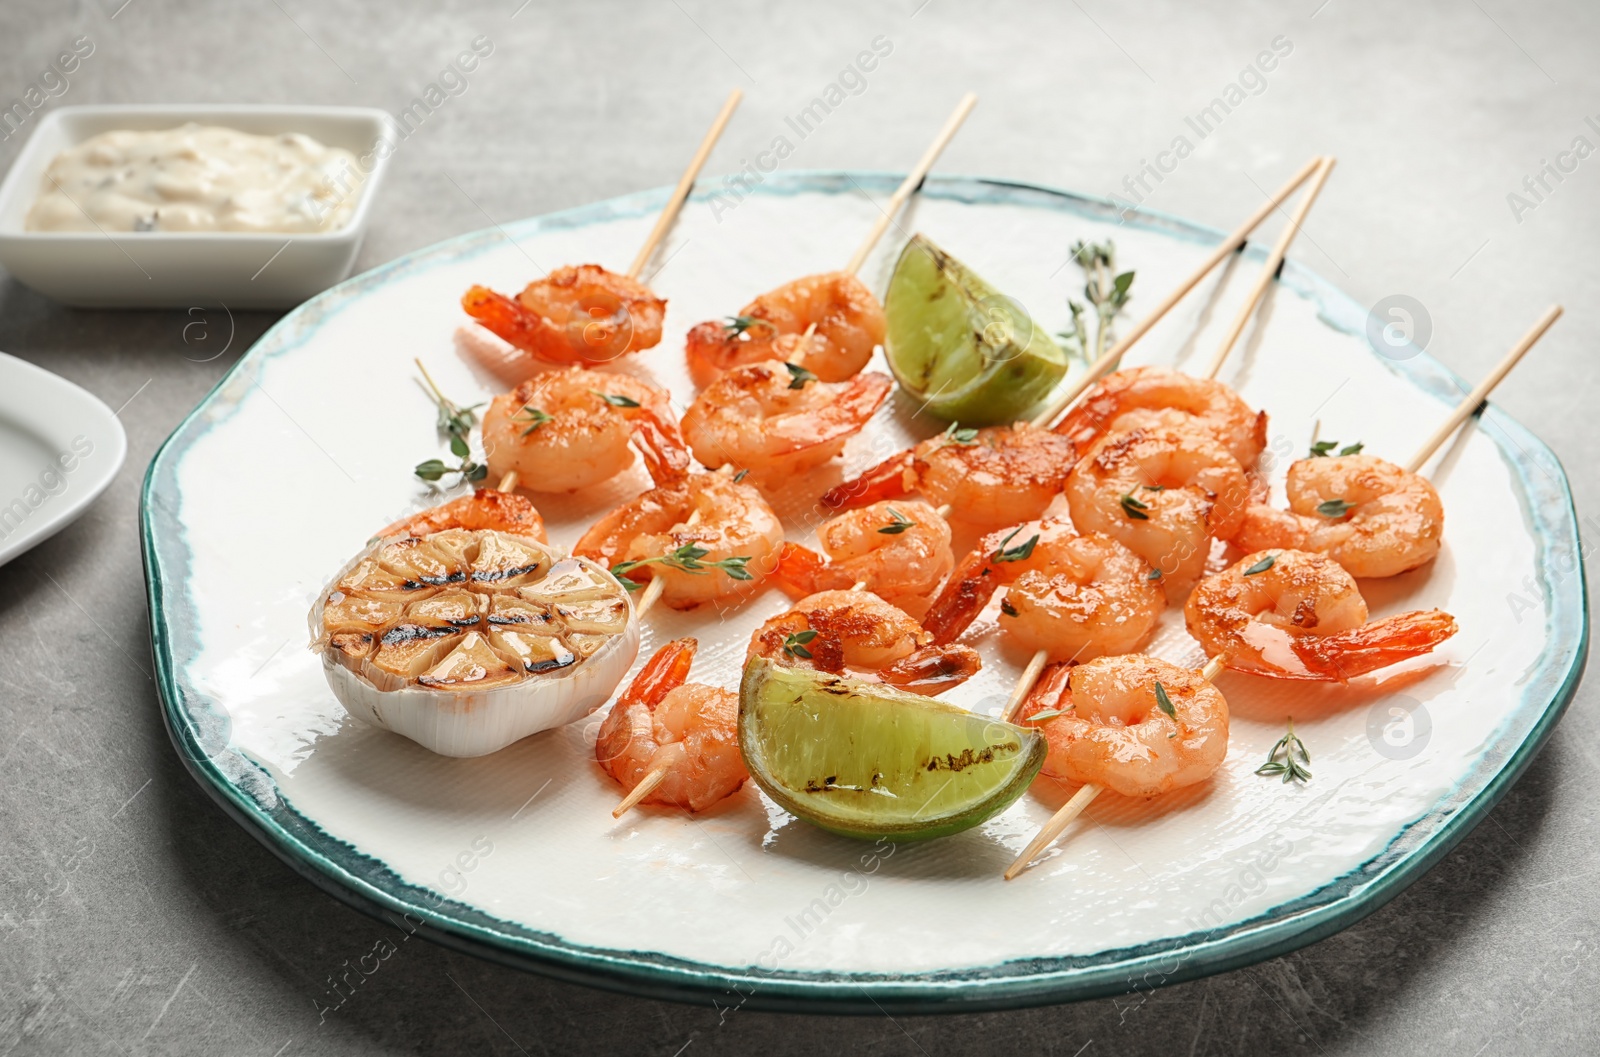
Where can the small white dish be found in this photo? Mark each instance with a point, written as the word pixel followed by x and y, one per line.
pixel 165 269
pixel 59 448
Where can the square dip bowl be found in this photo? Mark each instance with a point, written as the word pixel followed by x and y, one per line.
pixel 179 269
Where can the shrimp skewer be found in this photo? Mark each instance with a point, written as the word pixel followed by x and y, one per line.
pixel 1374 518
pixel 586 314
pixel 834 630
pixel 670 741
pixel 1067 595
pixel 898 551
pixel 829 324
pixel 703 538
pixel 1211 749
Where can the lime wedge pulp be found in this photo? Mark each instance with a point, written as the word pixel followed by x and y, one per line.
pixel 867 760
pixel 967 351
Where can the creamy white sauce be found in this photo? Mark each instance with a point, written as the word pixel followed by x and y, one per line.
pixel 197 178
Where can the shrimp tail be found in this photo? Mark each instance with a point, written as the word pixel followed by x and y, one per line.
pixel 666 670
pixel 509 320
pixel 799 570
pixel 968 590
pixel 890 479
pixel 661 444
pixel 1052 692
pixel 933 669
pixel 1345 655
pixel 857 402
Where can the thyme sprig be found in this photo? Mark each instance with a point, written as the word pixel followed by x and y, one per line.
pixel 533 416
pixel 1134 508
pixel 736 325
pixel 795 645
pixel 1107 292
pixel 687 558
pixel 955 434
pixel 799 376
pixel 456 423
pixel 1289 747
pixel 898 525
pixel 1323 448
pixel 1021 552
pixel 1334 508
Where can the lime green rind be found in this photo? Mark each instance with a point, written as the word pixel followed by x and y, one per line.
pixel 866 760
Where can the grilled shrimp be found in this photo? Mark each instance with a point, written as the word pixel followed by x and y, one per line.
pixel 989 477
pixel 709 515
pixel 1370 516
pixel 582 315
pixel 687 730
pixel 1165 493
pixel 834 629
pixel 568 429
pixel 1156 397
pixel 483 509
pixel 1113 731
pixel 1069 595
pixel 848 320
pixel 775 421
pixel 1296 615
pixel 898 551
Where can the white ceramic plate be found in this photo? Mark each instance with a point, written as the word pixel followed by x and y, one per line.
pixel 59 448
pixel 277 477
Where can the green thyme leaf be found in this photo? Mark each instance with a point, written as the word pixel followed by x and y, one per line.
pixel 1321 448
pixel 1134 508
pixel 1155 574
pixel 1261 566
pixel 956 435
pixel 795 645
pixel 898 525
pixel 736 325
pixel 741 475
pixel 533 416
pixel 615 400
pixel 1164 703
pixel 1334 508
pixel 1352 449
pixel 431 470
pixel 1021 552
pixel 799 375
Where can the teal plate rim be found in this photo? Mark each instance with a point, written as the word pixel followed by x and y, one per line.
pixel 247 794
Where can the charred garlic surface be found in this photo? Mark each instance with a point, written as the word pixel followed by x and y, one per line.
pixel 467 640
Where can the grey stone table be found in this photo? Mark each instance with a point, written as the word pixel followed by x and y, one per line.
pixel 135 918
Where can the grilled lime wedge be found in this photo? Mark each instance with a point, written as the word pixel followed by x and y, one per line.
pixel 866 760
pixel 967 351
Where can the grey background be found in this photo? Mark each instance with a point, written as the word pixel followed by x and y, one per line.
pixel 135 918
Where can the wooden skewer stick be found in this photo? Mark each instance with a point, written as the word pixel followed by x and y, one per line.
pixel 1226 247
pixel 639 792
pixel 652 590
pixel 508 482
pixel 685 184
pixel 1269 271
pixel 913 180
pixel 1080 800
pixel 1474 399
